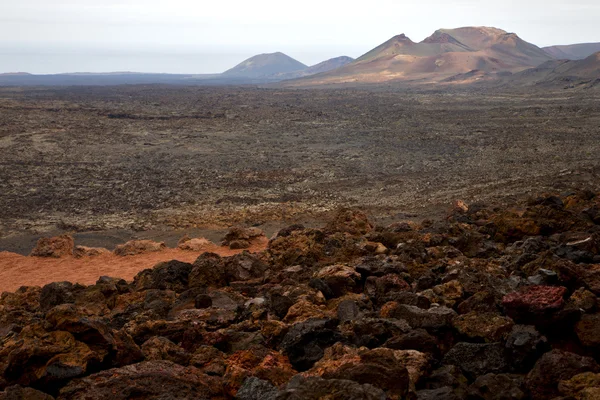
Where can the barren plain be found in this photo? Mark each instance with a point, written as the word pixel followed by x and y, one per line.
pixel 147 160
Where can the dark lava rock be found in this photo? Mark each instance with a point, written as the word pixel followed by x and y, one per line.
pixel 446 376
pixel 443 393
pixel 56 293
pixel 323 287
pixel 480 301
pixel 347 310
pixel 208 270
pixel 433 318
pixel 280 304
pixel 418 339
pixel 256 389
pixel 300 388
pixel 373 332
pixel 148 379
pixel 160 348
pixel 524 345
pixel 553 367
pixel 476 359
pixel 20 393
pixel 497 387
pixel 171 275
pixel 305 342
pixel 203 301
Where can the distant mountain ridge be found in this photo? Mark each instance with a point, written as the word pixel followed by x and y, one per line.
pixel 573 51
pixel 445 53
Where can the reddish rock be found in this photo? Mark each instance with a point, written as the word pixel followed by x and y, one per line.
pixel 55 247
pixel 195 244
pixel 534 304
pixel 350 221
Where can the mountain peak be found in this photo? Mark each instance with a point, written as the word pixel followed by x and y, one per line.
pixel 264 65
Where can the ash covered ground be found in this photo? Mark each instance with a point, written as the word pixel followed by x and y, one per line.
pixel 157 158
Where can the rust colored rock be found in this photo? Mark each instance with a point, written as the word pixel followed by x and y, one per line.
pixel 55 247
pixel 534 304
pixel 490 327
pixel 148 379
pixel 241 238
pixel 588 330
pixel 134 247
pixel 341 279
pixel 350 221
pixel 160 348
pixel 580 387
pixel 83 251
pixel 302 311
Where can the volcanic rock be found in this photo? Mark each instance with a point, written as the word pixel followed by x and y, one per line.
pixel 476 359
pixel 305 343
pixel 490 327
pixel 148 379
pixel 56 247
pixel 553 367
pixel 134 247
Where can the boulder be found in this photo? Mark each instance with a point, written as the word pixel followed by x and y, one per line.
pixel 350 221
pixel 256 389
pixel 476 359
pixel 524 345
pixel 340 279
pixel 497 387
pixel 55 247
pixel 489 327
pixel 134 247
pixel 553 367
pixel 588 330
pixel 169 275
pixel 315 388
pixel 148 379
pixel 83 251
pixel 305 343
pixel 241 238
pixel 194 244
pixel 581 386
pixel 433 318
pixel 535 305
pixel 160 348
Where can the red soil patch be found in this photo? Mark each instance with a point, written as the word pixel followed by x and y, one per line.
pixel 17 270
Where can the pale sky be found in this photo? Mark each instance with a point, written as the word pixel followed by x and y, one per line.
pixel 200 36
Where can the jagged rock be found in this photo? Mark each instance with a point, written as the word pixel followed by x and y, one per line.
pixel 497 387
pixel 433 318
pixel 340 279
pixel 256 389
pixel 241 238
pixel 382 289
pixel 314 388
pixel 169 275
pixel 443 393
pixel 57 293
pixel 534 304
pixel 476 359
pixel 480 302
pixel 302 311
pixel 83 251
pixel 148 379
pixel 373 332
pixel 261 363
pixel 347 311
pixel 524 345
pixel 352 222
pixel 553 367
pixel 417 339
pixel 380 367
pixel 448 376
pixel 588 330
pixel 490 327
pixel 208 270
pixel 203 301
pixel 55 247
pixel 134 247
pixel 581 386
pixel 305 343
pixel 160 348
pixel 244 266
pixel 297 246
pixel 20 393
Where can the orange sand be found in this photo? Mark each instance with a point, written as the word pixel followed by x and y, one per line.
pixel 17 270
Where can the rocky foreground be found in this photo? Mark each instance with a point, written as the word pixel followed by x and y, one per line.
pixel 486 304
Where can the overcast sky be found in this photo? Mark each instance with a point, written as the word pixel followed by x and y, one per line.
pixel 200 36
